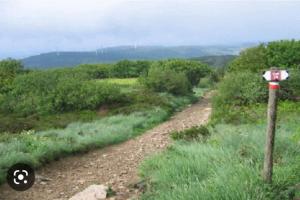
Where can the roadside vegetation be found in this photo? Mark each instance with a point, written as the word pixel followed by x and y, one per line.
pixel 48 114
pixel 224 160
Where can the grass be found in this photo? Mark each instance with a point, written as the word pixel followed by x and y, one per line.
pixel 228 165
pixel 126 85
pixel 14 123
pixel 37 148
pixel 120 81
pixel 40 147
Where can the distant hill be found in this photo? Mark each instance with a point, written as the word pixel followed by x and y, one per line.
pixel 216 61
pixel 114 54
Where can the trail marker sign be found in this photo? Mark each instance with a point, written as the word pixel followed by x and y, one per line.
pixel 276 75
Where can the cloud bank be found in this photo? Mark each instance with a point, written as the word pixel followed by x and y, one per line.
pixel 34 26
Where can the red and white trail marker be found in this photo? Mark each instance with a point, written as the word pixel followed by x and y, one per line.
pixel 276 75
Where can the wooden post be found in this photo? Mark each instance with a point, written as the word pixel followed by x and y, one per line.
pixel 270 137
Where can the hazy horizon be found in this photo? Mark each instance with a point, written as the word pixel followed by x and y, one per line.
pixel 30 27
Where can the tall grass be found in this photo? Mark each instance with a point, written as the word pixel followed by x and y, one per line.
pixel 37 148
pixel 227 166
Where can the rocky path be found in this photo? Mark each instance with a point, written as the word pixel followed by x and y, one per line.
pixel 114 166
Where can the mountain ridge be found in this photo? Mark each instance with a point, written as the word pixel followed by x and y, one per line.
pixel 117 53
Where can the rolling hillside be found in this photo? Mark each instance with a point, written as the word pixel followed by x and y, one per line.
pixel 113 54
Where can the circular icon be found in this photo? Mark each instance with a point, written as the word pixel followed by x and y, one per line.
pixel 20 177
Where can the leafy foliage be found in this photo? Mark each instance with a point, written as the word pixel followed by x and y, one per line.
pixel 284 54
pixel 243 85
pixel 167 80
pixel 55 92
pixel 126 68
pixel 8 71
pixel 252 59
pixel 175 76
pixel 193 70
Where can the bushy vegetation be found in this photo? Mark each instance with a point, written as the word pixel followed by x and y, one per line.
pixel 9 69
pixel 40 92
pixel 228 164
pixel 37 148
pixel 175 76
pixel 243 84
pixel 167 80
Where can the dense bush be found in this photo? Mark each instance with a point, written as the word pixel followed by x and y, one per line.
pixel 290 89
pixel 194 70
pixel 121 69
pixel 281 54
pixel 284 54
pixel 243 84
pixel 167 80
pixel 8 71
pixel 95 71
pixel 53 91
pixel 252 59
pixel 241 89
pixel 175 76
pixel 127 69
pixel 236 91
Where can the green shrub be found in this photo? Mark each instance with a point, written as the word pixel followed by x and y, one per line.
pixel 237 91
pixel 241 88
pixel 127 68
pixel 252 59
pixel 167 80
pixel 54 92
pixel 95 71
pixel 284 53
pixel 205 82
pixel 9 69
pixel 194 70
pixel 194 133
pixel 290 88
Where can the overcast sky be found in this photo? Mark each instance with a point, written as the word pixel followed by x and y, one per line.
pixel 34 26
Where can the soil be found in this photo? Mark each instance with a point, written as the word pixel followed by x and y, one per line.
pixel 115 166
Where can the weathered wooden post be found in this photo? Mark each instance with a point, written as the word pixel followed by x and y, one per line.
pixel 274 76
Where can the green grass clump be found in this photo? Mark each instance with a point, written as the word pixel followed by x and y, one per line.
pixel 195 133
pixel 227 166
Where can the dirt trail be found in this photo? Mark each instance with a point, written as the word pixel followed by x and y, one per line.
pixel 115 166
